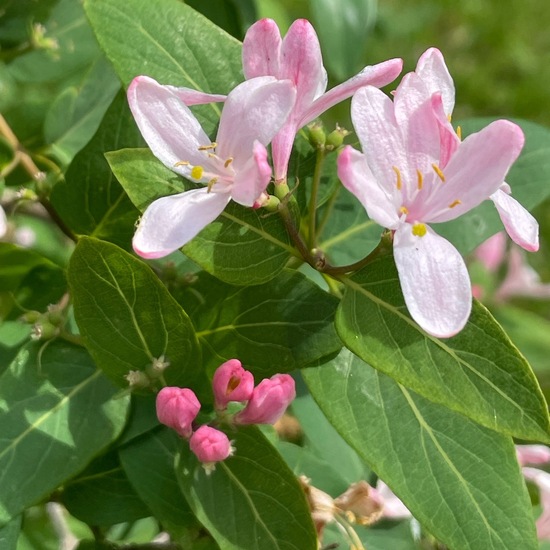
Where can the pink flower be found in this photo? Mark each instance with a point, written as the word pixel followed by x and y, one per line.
pixel 210 446
pixel 234 168
pixel 177 408
pixel 393 507
pixel 269 401
pixel 232 383
pixel 3 223
pixel 542 480
pixel 298 58
pixel 414 171
pixel 532 454
pixel 491 252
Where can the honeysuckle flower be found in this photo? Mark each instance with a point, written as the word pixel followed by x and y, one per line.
pixel 235 167
pixel 210 445
pixel 177 408
pixel 532 454
pixel 269 401
pixel 298 58
pixel 415 171
pixel 231 383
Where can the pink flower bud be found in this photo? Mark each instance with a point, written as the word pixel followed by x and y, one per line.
pixel 232 383
pixel 177 408
pixel 210 446
pixel 532 454
pixel 269 401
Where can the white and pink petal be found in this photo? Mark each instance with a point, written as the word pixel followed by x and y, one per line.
pixel 518 222
pixel 261 49
pixel 253 178
pixel 170 222
pixel 431 68
pixel 434 280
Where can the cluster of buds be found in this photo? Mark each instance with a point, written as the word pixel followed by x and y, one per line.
pixel 49 324
pixel 265 403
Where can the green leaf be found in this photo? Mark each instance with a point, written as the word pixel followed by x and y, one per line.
pixel 13 334
pixel 343 27
pixel 478 372
pixel 282 325
pixel 52 399
pixel 460 480
pixel 90 200
pixel 243 246
pixel 127 317
pixel 102 494
pixel 528 179
pixel 251 500
pixel 9 534
pixel 169 42
pixel 77 112
pixel 149 464
pixel 349 235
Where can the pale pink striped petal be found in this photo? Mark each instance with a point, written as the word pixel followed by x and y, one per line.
pixel 253 178
pixel 476 170
pixel 434 279
pixel 302 63
pixel 374 75
pixel 170 222
pixel 167 124
pixel 357 178
pixel 519 223
pixel 432 70
pixel 194 97
pixel 254 110
pixel 448 138
pixel 542 480
pixel 281 149
pixel 261 49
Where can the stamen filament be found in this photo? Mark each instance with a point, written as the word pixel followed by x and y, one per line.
pixel 404 210
pixel 439 172
pixel 213 145
pixel 399 182
pixel 182 163
pixel 420 179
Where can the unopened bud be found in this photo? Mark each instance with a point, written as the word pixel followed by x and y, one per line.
pixel 44 330
pixel 177 408
pixel 210 446
pixel 269 401
pixel 30 317
pixel 532 454
pixel 231 383
pixel 157 367
pixel 281 190
pixel 317 135
pixel 336 138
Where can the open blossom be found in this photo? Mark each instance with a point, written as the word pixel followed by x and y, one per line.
pixel 231 383
pixel 235 167
pixel 414 170
pixel 298 58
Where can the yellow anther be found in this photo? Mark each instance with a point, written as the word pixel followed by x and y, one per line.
pixel 420 179
pixel 182 163
pixel 212 155
pixel 196 172
pixel 213 145
pixel 399 183
pixel 455 203
pixel 459 132
pixel 211 184
pixel 228 162
pixel 438 171
pixel 404 210
pixel 419 229
pixel 449 117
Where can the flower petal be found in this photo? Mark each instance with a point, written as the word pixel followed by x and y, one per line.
pixel 194 97
pixel 374 122
pixel 170 222
pixel 3 222
pixel 261 49
pixel 374 75
pixel 432 70
pixel 357 178
pixel 302 63
pixel 519 223
pixel 434 280
pixel 476 171
pixel 448 138
pixel 252 180
pixel 281 148
pixel 167 124
pixel 254 110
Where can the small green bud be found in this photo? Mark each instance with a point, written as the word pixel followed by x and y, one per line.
pixel 317 135
pixel 281 190
pixel 336 138
pixel 44 330
pixel 137 379
pixel 55 315
pixel 157 367
pixel 272 204
pixel 30 317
